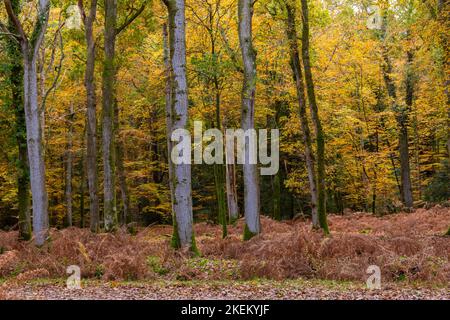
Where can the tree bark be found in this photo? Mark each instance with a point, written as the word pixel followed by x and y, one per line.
pixel 320 138
pixel 17 104
pixel 403 121
pixel 277 196
pixel 443 18
pixel 298 76
pixel 219 174
pixel 91 115
pixel 30 49
pixel 121 167
pixel 82 170
pixel 182 204
pixel 232 204
pixel 35 152
pixel 108 84
pixel 220 195
pixel 251 181
pixel 69 169
pixel 108 114
pixel 169 130
pixel 402 115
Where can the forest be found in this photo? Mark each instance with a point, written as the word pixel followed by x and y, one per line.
pixel 92 94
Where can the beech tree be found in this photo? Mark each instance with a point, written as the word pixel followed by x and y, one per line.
pixel 401 112
pixel 69 167
pixel 168 115
pixel 183 236
pixel 320 136
pixel 110 111
pixel 17 104
pixel 30 50
pixel 91 112
pixel 300 87
pixel 251 180
pixel 108 100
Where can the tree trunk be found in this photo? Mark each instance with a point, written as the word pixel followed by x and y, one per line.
pixel 402 121
pixel 121 168
pixel 168 92
pixel 220 194
pixel 298 76
pixel 182 204
pixel 30 49
pixel 320 138
pixel 108 135
pixel 91 115
pixel 35 152
pixel 219 174
pixel 82 171
pixel 232 204
pixel 69 169
pixel 443 18
pixel 23 172
pixel 277 196
pixel 251 181
pixel 108 116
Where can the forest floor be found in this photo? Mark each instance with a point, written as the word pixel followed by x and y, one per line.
pixel 222 290
pixel 288 260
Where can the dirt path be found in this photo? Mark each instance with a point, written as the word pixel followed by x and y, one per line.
pixel 288 290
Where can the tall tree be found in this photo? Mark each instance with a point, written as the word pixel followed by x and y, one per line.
pixel 443 15
pixel 168 114
pixel 231 188
pixel 300 86
pixel 320 137
pixel 251 181
pixel 69 168
pixel 402 115
pixel 403 122
pixel 109 102
pixel 91 113
pixel 30 50
pixel 182 203
pixel 16 83
pixel 121 175
pixel 82 175
pixel 108 84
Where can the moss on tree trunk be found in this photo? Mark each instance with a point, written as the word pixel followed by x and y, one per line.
pixel 23 174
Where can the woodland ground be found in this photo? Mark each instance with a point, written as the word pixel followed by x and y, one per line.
pixel 222 290
pixel 288 261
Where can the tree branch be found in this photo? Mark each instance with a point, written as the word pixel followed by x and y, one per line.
pixel 40 25
pixel 5 32
pixel 237 64
pixel 58 68
pixel 15 20
pixel 82 12
pixel 131 18
pixel 92 11
pixel 88 19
